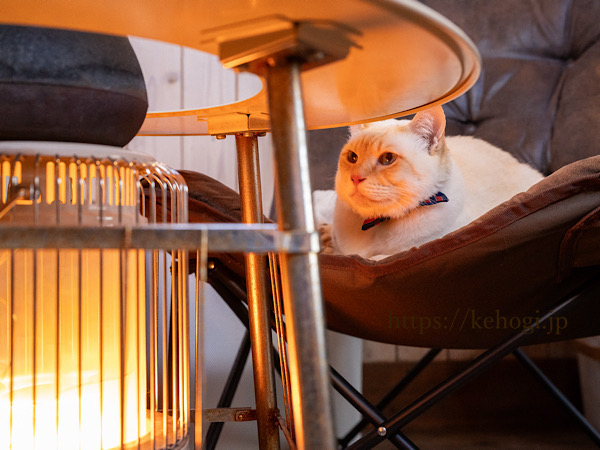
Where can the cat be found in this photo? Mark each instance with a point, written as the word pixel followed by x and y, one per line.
pixel 400 184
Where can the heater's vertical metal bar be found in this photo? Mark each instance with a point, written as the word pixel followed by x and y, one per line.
pixel 122 337
pixel 152 350
pixel 11 344
pixel 258 306
pixel 179 366
pixel 164 343
pixel 79 199
pixel 79 336
pixel 152 335
pixel 140 370
pixel 201 279
pixel 178 279
pixel 176 327
pixel 174 334
pixel 11 333
pixel 153 313
pixel 34 197
pixel 174 344
pixel 33 350
pixel 100 202
pixel 186 341
pixel 154 377
pixel 57 183
pixel 133 198
pixel 101 340
pixel 165 367
pixel 174 324
pixel 178 354
pixel 303 301
pixel 138 366
pixel 123 296
pixel 182 272
pixel 282 344
pixel 101 191
pixel 184 258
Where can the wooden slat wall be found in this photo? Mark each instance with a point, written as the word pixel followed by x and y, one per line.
pixel 179 78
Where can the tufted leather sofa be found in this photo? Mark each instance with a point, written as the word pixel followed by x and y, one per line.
pixel 538 95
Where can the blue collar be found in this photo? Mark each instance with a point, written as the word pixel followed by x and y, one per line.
pixel 440 197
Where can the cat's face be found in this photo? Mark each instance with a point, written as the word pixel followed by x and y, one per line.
pixel 387 168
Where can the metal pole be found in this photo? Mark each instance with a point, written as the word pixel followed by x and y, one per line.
pixel 258 306
pixel 301 284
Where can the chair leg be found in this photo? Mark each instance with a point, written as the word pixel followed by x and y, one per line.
pixel 374 416
pixel 558 395
pixel 476 367
pixel 230 292
pixel 393 393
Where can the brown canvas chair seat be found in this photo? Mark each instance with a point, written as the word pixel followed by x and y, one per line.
pixel 473 287
pixel 479 284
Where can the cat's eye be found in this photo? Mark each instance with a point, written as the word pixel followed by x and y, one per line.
pixel 387 158
pixel 352 157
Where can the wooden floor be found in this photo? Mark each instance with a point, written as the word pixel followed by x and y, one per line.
pixel 502 408
pixel 560 439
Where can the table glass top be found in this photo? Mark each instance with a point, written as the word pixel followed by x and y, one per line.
pixel 407 57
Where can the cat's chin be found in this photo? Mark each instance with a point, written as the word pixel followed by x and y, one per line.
pixel 378 210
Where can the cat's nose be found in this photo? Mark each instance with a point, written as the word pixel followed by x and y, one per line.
pixel 356 179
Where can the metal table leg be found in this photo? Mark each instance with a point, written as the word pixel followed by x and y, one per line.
pixel 258 307
pixel 300 272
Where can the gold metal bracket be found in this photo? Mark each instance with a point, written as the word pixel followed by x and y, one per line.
pixel 247 46
pixel 237 123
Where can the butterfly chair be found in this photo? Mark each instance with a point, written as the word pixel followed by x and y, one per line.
pixel 528 271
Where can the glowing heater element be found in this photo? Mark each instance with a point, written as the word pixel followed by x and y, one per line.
pixel 73 335
pixel 68 395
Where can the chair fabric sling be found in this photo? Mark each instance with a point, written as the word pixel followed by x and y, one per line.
pixel 562 189
pixel 472 288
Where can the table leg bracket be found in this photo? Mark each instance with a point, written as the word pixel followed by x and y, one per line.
pixel 230 414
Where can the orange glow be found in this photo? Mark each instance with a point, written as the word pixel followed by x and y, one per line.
pixel 72 322
pixel 88 387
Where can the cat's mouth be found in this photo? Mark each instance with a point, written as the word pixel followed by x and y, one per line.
pixel 360 196
pixel 363 200
pixel 367 205
pixel 368 197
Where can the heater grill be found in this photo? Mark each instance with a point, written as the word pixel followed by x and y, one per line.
pixel 94 347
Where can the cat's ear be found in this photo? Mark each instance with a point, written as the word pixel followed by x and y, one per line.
pixel 430 124
pixel 356 129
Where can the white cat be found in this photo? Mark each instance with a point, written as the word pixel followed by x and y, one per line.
pixel 401 184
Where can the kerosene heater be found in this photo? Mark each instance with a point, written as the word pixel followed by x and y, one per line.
pixel 94 350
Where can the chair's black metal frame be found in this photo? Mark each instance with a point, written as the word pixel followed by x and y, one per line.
pixel 232 289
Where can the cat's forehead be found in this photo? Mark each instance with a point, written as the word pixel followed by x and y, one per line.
pixel 380 139
pixel 367 140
